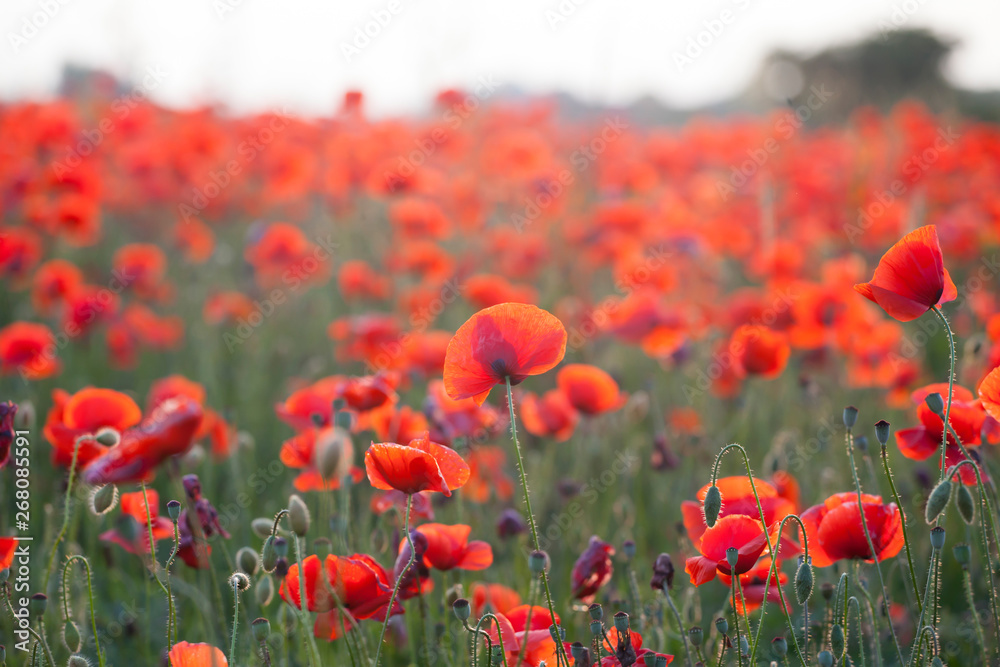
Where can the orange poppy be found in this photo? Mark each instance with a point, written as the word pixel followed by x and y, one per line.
pixel 758 350
pixel 509 340
pixel 496 597
pixel 835 532
pixel 52 283
pixel 736 531
pixel 29 349
pixel 549 416
pixel 84 413
pixel 195 240
pixel 420 466
pixel 185 654
pixel 449 548
pixel 589 389
pixel 910 279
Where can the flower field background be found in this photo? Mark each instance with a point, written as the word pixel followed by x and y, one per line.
pixel 269 345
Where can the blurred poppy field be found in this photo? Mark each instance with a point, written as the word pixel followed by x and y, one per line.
pixel 275 390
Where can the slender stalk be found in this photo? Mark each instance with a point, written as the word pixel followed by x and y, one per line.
pixel 236 619
pixel 38 638
pixel 736 620
pixel 951 383
pixel 90 594
pixel 399 579
pixel 65 522
pixel 561 658
pixel 153 564
pixel 906 537
pixel 680 624
pixel 767 587
pixel 861 634
pixel 171 610
pixel 871 617
pixel 920 620
pixel 971 600
pixel 871 544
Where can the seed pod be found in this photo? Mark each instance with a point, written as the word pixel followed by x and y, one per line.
pixel 71 637
pixel 722 625
pixel 837 640
pixel 174 510
pixel 261 629
pixel 579 653
pixel 850 416
pixel 882 432
pixel 298 515
pixel 804 581
pixel 712 505
pixel 462 609
pixel 596 612
pixel 37 604
pixel 937 538
pixel 966 505
pixel 103 499
pixel 265 590
pixel 938 501
pixel 629 549
pixel 696 635
pixel 538 561
pixel 732 557
pixel 596 628
pixel 621 623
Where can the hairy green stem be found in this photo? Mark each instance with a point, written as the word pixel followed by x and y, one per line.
pixel 399 579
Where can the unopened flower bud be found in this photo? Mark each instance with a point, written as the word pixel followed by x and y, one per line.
pixel 247 561
pixel 265 590
pixel 239 581
pixel 712 505
pixel 261 527
pixel 103 499
pixel 936 403
pixel 71 637
pixel 804 581
pixel 966 505
pixel 298 515
pixel 825 659
pixel 108 437
pixel 268 554
pixel 77 661
pixel 938 501
pixel 837 640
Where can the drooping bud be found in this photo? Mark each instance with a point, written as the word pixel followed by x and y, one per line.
pixel 103 499
pixel 298 515
pixel 268 554
pixel 261 527
pixel 71 637
pixel 462 609
pixel 108 437
pixel 963 554
pixel 850 416
pixel 77 661
pixel 966 505
pixel 804 580
pixel 260 628
pixel 239 581
pixel 936 403
pixel 333 454
pixel 837 640
pixel 247 561
pixel 882 432
pixel 265 590
pixel 937 538
pixel 938 501
pixel 712 505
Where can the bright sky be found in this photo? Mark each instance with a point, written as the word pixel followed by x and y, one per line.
pixel 260 54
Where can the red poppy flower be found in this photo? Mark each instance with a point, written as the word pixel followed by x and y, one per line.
pixel 84 413
pixel 738 531
pixel 20 250
pixel 29 349
pixel 592 570
pixel 589 389
pixel 737 498
pixel 534 641
pixel 227 307
pixel 420 507
pixel 449 548
pixel 512 340
pixel 167 431
pixel 312 405
pixel 132 530
pixel 358 280
pixel 8 545
pixel 835 532
pixel 52 283
pixel 464 418
pixel 752 585
pixel 989 393
pixel 398 424
pixel 420 466
pixel 910 279
pixel 195 240
pixel 142 267
pixel 550 415
pixel 185 654
pixel 7 411
pixel 487 476
pixel 758 350
pixel 497 598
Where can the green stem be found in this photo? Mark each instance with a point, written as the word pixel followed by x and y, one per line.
pixel 971 600
pixel 920 619
pixel 906 537
pixel 736 622
pixel 153 565
pixel 561 658
pixel 399 579
pixel 303 604
pixel 951 384
pixel 861 634
pixel 90 594
pixel 767 586
pixel 236 620
pixel 680 624
pixel 65 522
pixel 868 538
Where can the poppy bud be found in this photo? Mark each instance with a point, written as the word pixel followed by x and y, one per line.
pixel 963 554
pixel 239 581
pixel 722 625
pixel 108 437
pixel 247 561
pixel 937 538
pixel 268 554
pixel 298 515
pixel 663 573
pixel 938 501
pixel 966 505
pixel 462 609
pixel 539 562
pixel 712 505
pixel 744 646
pixel 37 604
pixel 780 646
pixel 596 612
pixel 579 653
pixel 825 659
pixel 621 623
pixel 936 403
pixel 696 635
pixel 77 661
pixel 71 637
pixel 281 568
pixel 732 557
pixel 850 416
pixel 596 628
pixel 628 548
pixel 882 431
pixel 804 581
pixel 261 629
pixel 103 499
pixel 261 527
pixel 174 510
pixel 837 640
pixel 265 590
pixel 333 451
